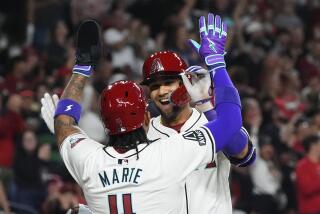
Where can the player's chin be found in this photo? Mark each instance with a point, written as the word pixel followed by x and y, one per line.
pixel 167 109
pixel 170 113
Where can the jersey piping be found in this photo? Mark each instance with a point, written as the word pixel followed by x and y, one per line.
pixel 128 156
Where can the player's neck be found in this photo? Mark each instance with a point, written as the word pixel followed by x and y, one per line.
pixel 181 118
pixel 121 150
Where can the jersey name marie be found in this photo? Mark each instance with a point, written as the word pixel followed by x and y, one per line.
pixel 120 175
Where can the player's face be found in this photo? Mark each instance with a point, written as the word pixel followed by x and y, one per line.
pixel 160 91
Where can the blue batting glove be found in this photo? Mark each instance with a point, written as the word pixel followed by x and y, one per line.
pixel 212 41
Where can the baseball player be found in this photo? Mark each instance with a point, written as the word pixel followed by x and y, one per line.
pixel 206 191
pixel 132 174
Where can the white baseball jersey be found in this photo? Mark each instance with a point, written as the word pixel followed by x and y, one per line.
pixel 153 183
pixel 207 190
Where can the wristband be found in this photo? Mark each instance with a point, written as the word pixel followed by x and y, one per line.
pixel 85 70
pixel 70 108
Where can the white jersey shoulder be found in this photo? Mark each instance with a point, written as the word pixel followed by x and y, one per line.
pixel 148 181
pixel 207 190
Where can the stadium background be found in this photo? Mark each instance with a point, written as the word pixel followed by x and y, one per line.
pixel 273 56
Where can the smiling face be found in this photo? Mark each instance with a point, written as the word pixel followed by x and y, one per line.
pixel 160 91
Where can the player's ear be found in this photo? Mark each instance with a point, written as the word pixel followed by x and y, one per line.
pixel 147 117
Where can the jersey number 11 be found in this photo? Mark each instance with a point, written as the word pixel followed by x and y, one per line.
pixel 126 204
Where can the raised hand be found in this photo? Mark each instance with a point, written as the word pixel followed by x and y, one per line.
pixel 49 105
pixel 212 41
pixel 88 47
pixel 199 88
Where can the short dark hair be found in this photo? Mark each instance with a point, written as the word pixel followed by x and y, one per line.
pixel 308 141
pixel 129 140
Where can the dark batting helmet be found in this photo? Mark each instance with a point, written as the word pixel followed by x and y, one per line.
pixel 122 107
pixel 162 63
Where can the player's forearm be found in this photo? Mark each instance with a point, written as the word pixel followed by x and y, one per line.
pixel 221 78
pixel 228 108
pixel 88 53
pixel 75 87
pixel 65 124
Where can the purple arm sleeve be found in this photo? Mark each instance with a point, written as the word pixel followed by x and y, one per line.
pixel 237 143
pixel 248 159
pixel 229 120
pixel 210 115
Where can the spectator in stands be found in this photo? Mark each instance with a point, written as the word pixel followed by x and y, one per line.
pixel 12 125
pixel 266 177
pixel 15 79
pixel 65 199
pixel 56 49
pixel 29 160
pixel 117 38
pixel 308 177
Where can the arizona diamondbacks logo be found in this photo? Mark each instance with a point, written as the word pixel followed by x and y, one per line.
pixel 156 66
pixel 196 135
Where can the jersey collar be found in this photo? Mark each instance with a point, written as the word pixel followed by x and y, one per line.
pixel 131 153
pixel 192 121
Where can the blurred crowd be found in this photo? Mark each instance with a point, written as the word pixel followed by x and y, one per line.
pixel 273 57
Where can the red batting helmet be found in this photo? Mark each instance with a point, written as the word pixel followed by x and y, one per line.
pixel 162 63
pixel 122 107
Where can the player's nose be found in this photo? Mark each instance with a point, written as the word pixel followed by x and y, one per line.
pixel 164 89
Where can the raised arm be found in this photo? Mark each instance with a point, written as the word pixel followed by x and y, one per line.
pixel 227 100
pixel 88 52
pixel 201 94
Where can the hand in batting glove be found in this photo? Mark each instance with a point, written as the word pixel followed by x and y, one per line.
pixel 200 88
pixel 212 42
pixel 88 47
pixel 49 105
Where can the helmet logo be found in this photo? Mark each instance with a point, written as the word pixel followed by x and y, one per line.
pixel 156 66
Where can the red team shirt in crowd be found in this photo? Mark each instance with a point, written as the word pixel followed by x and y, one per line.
pixel 308 186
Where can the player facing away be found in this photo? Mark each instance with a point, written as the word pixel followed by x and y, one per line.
pixel 131 174
pixel 206 190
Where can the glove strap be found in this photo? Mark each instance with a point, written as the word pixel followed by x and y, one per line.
pixel 200 102
pixel 68 107
pixel 84 70
pixel 215 61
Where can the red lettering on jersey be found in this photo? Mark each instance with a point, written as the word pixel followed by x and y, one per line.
pixel 113 204
pixel 127 206
pixel 126 203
